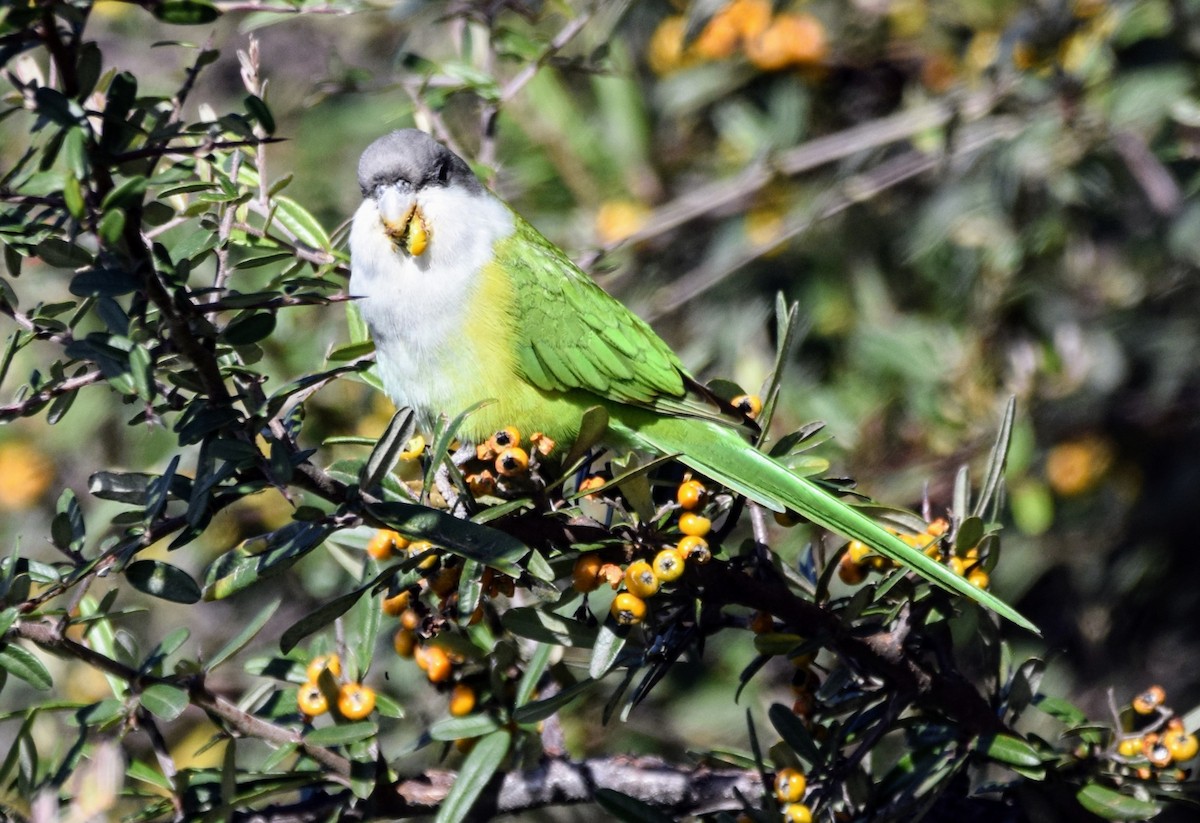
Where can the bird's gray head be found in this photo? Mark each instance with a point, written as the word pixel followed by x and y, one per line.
pixel 411 159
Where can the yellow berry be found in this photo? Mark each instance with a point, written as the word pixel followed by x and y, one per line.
pixel 694 525
pixel 857 551
pixel 690 494
pixel 404 641
pixel 694 549
pixel 414 448
pixel 978 578
pixel 512 461
pixel 668 565
pixel 410 618
pixel 356 701
pixel 1183 746
pixel 628 609
pixel 937 528
pixel 641 580
pixel 789 785
pixel 311 700
pixel 1149 700
pixel 462 700
pixel 1130 747
pixel 957 565
pixel 320 664
pixel 585 577
pixel 748 404
pixel 797 813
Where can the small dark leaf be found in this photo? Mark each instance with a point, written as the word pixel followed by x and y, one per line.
pixel 628 809
pixel 793 732
pixel 259 111
pixel 262 557
pixel 248 328
pixel 103 282
pixel 163 580
pixel 387 450
pixel 474 542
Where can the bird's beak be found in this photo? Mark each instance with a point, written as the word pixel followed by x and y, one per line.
pixel 403 220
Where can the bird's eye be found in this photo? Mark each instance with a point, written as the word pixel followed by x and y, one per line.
pixel 443 173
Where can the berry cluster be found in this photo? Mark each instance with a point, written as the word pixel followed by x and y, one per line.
pixel 643 577
pixel 1155 737
pixel 353 701
pixel 971 563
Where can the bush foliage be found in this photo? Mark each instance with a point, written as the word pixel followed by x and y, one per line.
pixel 962 233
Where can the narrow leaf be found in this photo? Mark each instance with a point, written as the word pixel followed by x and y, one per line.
pixel 473 776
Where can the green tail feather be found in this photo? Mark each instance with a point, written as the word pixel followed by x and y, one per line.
pixel 721 454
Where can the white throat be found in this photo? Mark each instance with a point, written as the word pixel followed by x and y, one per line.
pixel 417 308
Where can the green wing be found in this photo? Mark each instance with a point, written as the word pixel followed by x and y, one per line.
pixel 572 335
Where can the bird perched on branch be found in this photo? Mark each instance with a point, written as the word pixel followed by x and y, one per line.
pixel 466 302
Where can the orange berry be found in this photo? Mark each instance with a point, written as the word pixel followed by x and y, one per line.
pixel 393 606
pixel 1149 700
pixel 789 785
pixel 585 577
pixel 311 700
pixel 437 664
pixel 762 623
pixel 543 444
pixel 694 549
pixel 321 663
pixel 937 528
pixel 355 701
pixel 694 525
pixel 690 494
pixel 1157 753
pixel 668 565
pixel 797 813
pixel 641 580
pixel 591 483
pixel 748 404
pixel 512 461
pixel 481 483
pixel 446 581
pixel 628 609
pixel 851 573
pixel 507 437
pixel 462 700
pixel 410 618
pixel 404 641
pixel 384 543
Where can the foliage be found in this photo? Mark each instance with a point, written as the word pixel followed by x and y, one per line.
pixel 189 638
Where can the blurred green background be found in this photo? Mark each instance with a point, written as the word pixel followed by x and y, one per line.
pixel 969 200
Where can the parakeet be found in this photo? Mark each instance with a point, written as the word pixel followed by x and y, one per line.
pixel 466 301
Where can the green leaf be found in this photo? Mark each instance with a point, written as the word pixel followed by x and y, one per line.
pixel 249 327
pixel 1060 709
pixel 163 580
pixel 793 732
pixel 541 709
pixel 129 192
pixel 460 728
pixel 473 776
pixel 1005 748
pixel 103 282
pixel 461 537
pixel 547 627
pixel 185 12
pixel 629 809
pixel 322 616
pixel 532 674
pixel 606 650
pixel 387 450
pixel 993 475
pixel 1113 805
pixel 263 557
pixel 259 111
pixel 164 701
pixel 24 665
pixel 238 642
pixel 342 733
